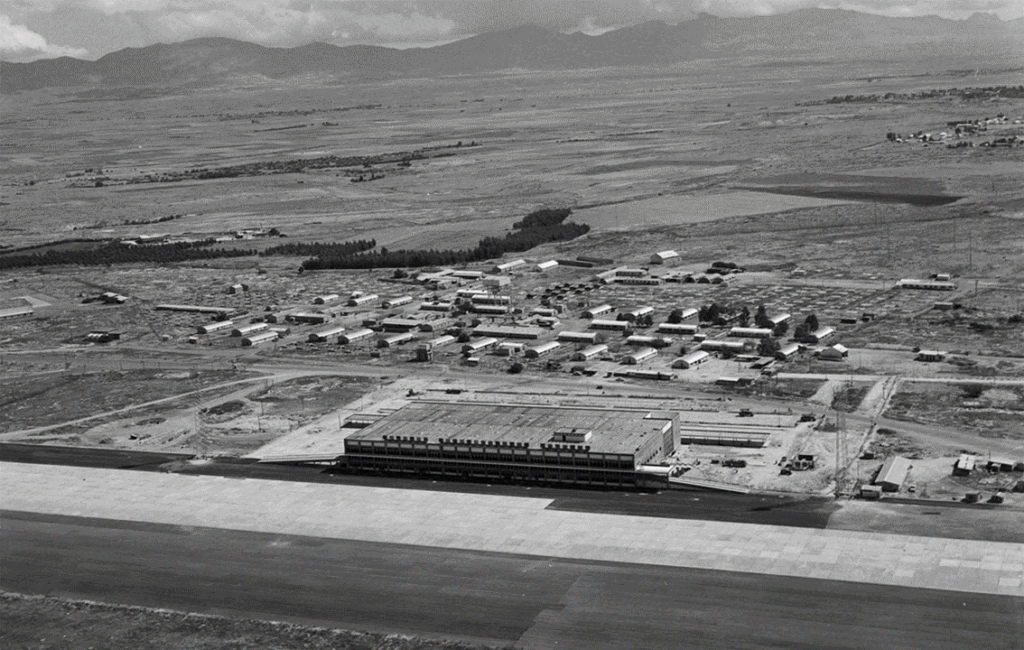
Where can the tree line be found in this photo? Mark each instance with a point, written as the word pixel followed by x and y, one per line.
pixel 118 253
pixel 539 227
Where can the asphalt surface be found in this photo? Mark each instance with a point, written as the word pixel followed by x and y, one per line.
pixel 502 598
pixel 675 504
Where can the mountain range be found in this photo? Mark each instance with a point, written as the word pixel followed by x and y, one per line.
pixel 831 33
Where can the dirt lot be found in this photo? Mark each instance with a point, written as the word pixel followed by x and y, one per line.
pixel 229 417
pixel 988 411
pixel 45 623
pixel 56 398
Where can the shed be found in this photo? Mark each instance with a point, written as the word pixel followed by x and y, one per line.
pixel 642 340
pixel 350 337
pixel 820 334
pixel 833 353
pixel 787 351
pixel 438 342
pixel 360 301
pixel 535 351
pixel 213 327
pixel 594 312
pixel 639 356
pixel 750 332
pixel 930 355
pixel 505 267
pixel 395 339
pixel 508 331
pixel 497 281
pixel 548 265
pixel 893 474
pixel 964 465
pixel 634 314
pixel 479 345
pixel 390 303
pixel 246 330
pixel 665 257
pixel 508 348
pixel 999 464
pixel 618 325
pixel 259 339
pixel 678 328
pixel 578 337
pixel 692 360
pixel 397 324
pixel 324 334
pixel 590 352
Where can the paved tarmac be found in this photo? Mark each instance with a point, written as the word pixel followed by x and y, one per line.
pixel 531 601
pixel 678 504
pixel 503 524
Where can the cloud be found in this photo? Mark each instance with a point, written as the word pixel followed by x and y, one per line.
pixel 18 42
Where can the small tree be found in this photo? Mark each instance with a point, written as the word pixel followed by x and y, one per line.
pixel 780 330
pixel 744 316
pixel 515 368
pixel 801 332
pixel 812 322
pixel 463 338
pixel 709 313
pixel 767 347
pixel 675 316
pixel 761 317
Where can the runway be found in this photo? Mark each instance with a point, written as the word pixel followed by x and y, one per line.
pixel 502 598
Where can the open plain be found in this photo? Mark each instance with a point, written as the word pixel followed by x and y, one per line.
pixel 785 172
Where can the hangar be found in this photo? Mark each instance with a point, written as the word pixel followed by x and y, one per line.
pixel 587 446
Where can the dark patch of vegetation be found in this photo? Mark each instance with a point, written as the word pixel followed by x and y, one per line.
pixel 548 228
pixel 295 166
pixel 232 406
pixel 115 252
pixel 316 249
pixel 118 253
pixel 848 397
pixel 967 94
pixel 543 218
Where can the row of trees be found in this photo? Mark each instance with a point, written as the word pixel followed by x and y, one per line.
pixel 533 231
pixel 317 249
pixel 117 253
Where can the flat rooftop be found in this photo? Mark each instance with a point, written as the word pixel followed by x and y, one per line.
pixel 613 431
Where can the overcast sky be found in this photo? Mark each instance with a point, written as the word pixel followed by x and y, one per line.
pixel 32 29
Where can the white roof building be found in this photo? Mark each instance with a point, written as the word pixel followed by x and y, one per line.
pixel 664 257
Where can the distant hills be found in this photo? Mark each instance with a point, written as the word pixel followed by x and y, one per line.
pixel 831 33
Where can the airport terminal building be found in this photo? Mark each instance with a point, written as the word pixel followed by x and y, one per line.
pixel 515 443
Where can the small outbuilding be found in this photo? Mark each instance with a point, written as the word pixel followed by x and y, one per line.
pixel 893 474
pixel 692 360
pixel 930 355
pixel 665 257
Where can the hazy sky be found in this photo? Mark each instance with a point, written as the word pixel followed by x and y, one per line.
pixel 32 29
